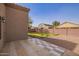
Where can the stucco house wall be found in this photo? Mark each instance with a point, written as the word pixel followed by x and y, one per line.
pixel 2 26
pixel 16 24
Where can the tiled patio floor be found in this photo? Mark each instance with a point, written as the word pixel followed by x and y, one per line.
pixel 32 47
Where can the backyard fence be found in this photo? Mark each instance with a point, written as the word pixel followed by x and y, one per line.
pixel 73 32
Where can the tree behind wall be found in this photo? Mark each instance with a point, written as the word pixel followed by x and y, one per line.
pixel 55 24
pixel 30 23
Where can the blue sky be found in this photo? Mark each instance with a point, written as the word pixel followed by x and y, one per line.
pixel 49 12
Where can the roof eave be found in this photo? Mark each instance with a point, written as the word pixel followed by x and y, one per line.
pixel 15 6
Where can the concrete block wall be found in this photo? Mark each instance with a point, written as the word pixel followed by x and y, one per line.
pixel 72 32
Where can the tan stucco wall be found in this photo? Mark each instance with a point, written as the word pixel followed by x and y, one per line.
pixel 3 36
pixel 16 24
pixel 15 27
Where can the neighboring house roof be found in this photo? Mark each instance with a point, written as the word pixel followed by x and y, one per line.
pixel 45 24
pixel 68 25
pixel 42 25
pixel 15 6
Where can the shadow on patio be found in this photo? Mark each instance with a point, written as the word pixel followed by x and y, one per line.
pixel 63 43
